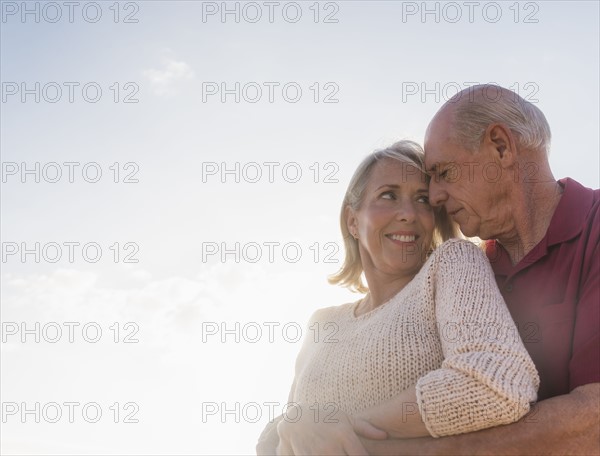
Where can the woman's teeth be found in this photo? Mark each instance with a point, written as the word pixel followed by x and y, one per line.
pixel 403 238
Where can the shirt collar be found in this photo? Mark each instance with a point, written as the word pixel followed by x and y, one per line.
pixel 575 202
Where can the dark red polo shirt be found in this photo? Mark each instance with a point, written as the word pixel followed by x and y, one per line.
pixel 553 293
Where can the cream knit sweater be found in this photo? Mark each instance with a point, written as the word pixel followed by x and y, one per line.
pixel 448 331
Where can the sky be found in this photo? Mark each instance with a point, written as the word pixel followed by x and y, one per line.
pixel 172 174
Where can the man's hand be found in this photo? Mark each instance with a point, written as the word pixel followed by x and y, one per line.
pixel 568 424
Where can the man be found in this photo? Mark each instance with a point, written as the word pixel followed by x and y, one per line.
pixel 486 151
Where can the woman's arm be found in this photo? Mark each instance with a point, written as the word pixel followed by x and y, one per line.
pixel 399 417
pixel 317 429
pixel 287 434
pixel 319 432
pixel 269 438
pixel 487 377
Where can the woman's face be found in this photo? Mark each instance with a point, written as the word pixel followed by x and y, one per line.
pixel 395 222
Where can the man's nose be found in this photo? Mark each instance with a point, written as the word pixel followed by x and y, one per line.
pixel 437 194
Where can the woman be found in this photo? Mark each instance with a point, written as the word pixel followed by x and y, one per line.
pixel 430 351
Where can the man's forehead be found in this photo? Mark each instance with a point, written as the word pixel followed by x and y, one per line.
pixel 435 153
pixel 437 139
pixel 441 154
pixel 440 126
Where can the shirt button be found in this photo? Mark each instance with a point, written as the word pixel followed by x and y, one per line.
pixel 509 287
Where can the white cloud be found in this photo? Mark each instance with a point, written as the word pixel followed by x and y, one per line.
pixel 157 306
pixel 175 367
pixel 165 81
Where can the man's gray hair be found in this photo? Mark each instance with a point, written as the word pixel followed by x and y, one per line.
pixel 486 104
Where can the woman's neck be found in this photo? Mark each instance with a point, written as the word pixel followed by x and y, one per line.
pixel 382 288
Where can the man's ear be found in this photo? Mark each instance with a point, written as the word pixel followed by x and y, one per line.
pixel 503 144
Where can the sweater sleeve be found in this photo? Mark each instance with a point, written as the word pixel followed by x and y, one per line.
pixel 487 377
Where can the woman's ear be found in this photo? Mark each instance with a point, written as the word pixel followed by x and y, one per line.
pixel 351 222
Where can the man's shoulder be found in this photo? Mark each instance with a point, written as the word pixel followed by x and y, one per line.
pixel 575 188
pixel 579 208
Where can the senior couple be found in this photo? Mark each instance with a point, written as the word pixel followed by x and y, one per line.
pixel 450 352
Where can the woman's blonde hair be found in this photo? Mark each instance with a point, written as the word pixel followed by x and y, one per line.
pixel 405 151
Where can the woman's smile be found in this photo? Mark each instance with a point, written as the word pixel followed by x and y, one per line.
pixel 394 223
pixel 403 237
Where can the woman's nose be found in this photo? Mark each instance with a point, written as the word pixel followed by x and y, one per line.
pixel 406 211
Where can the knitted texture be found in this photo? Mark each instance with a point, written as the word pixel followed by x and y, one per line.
pixel 448 331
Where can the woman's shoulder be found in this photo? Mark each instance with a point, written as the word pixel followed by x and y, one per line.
pixel 328 313
pixel 459 250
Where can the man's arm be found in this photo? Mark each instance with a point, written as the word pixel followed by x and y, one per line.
pixel 568 424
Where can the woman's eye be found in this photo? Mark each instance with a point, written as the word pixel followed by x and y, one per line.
pixel 388 195
pixel 423 199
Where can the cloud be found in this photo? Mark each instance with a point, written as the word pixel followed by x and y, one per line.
pixel 175 367
pixel 165 81
pixel 164 308
pixel 159 307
